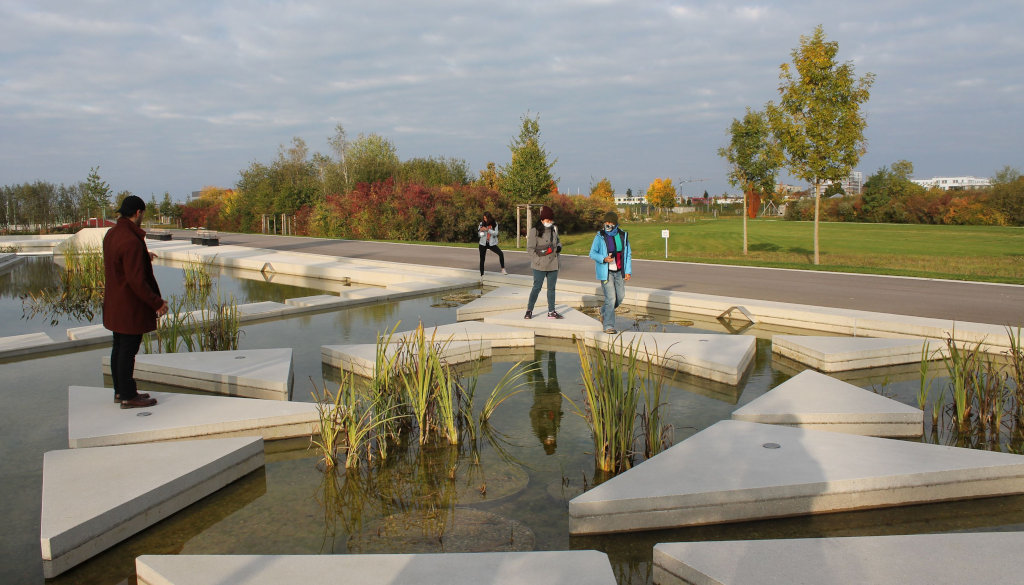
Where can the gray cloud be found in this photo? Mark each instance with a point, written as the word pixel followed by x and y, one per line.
pixel 177 96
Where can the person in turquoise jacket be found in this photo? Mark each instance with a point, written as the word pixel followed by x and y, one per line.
pixel 612 254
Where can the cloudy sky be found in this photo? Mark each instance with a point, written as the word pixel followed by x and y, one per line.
pixel 173 96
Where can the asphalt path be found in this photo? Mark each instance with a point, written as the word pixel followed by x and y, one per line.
pixel 1001 304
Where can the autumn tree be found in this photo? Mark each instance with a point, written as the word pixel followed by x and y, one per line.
pixel 662 194
pixel 603 194
pixel 818 119
pixel 754 159
pixel 527 177
pixel 488 177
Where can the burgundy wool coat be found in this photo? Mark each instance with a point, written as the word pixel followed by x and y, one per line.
pixel 131 297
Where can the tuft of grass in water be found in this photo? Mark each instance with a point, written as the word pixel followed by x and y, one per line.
pixel 614 381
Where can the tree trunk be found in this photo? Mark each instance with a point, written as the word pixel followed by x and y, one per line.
pixel 817 210
pixel 744 222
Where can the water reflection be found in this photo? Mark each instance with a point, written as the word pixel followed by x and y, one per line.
pixel 546 412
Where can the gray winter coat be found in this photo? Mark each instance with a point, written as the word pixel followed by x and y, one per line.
pixel 538 246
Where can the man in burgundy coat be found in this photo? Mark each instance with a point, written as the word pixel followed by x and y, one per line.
pixel 131 300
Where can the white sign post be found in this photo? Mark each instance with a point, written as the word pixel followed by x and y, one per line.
pixel 664 234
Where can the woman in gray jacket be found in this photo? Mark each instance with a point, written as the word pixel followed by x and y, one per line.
pixel 543 242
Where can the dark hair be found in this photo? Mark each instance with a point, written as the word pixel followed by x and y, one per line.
pixel 131 205
pixel 489 219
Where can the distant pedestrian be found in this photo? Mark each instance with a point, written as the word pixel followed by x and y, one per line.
pixel 131 299
pixel 488 230
pixel 612 254
pixel 543 242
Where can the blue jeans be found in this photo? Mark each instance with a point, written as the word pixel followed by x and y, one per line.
pixel 614 291
pixel 538 281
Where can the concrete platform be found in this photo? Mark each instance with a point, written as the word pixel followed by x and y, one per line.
pixel 15 345
pixel 718 357
pixel 837 354
pixel 261 310
pixel 90 332
pixel 249 373
pixel 812 400
pixel 511 298
pixel 94 420
pixel 918 559
pixel 95 498
pixel 575 324
pixel 735 471
pixel 497 335
pixel 361 359
pixel 493 568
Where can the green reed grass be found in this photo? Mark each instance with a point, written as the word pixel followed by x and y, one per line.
pixel 197 274
pixel 614 381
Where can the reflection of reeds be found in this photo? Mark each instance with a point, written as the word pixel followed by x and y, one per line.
pixel 613 383
pixel 78 295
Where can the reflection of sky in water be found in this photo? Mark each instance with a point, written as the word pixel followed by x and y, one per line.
pixel 280 510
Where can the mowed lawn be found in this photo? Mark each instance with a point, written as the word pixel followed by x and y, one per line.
pixel 994 254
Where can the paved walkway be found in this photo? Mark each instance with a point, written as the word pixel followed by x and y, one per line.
pixel 999 304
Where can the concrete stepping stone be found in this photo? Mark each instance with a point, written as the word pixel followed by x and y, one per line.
pixel 250 373
pixel 718 357
pixel 916 559
pixel 95 498
pixel 497 335
pixel 837 354
pixel 574 324
pixel 14 345
pixel 95 420
pixel 89 332
pixel 361 359
pixel 261 310
pixel 510 298
pixel 490 568
pixel 735 471
pixel 812 400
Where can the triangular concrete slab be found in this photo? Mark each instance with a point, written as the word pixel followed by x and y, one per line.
pixel 573 324
pixel 837 354
pixel 509 298
pixel 250 373
pixel 20 344
pixel 95 498
pixel 89 332
pixel 718 357
pixel 915 559
pixel 95 420
pixel 485 568
pixel 497 335
pixel 361 359
pixel 813 400
pixel 735 471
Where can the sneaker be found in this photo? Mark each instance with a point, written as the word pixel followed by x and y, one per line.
pixel 503 271
pixel 529 315
pixel 610 330
pixel 138 402
pixel 554 315
pixel 117 397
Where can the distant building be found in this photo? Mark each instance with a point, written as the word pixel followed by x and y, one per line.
pixel 953 183
pixel 623 199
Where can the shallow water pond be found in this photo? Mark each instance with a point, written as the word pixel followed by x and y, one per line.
pixel 507 490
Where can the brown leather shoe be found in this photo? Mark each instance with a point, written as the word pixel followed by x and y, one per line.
pixel 138 402
pixel 117 397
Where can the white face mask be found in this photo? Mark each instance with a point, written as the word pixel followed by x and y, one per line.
pixel 548 224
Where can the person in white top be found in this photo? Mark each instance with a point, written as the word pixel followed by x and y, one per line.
pixel 488 230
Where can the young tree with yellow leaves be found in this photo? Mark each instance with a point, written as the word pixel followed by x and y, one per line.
pixel 818 120
pixel 661 194
pixel 603 194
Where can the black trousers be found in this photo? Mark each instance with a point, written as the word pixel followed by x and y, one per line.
pixel 122 364
pixel 483 252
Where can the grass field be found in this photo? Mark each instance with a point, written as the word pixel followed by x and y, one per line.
pixel 993 254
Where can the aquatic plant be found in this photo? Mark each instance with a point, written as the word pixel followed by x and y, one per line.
pixel 196 273
pixel 78 292
pixel 613 383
